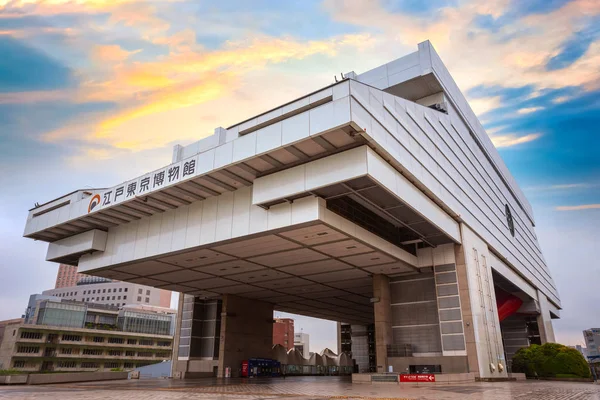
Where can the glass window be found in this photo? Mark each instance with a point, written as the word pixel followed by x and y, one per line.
pixel 147 293
pixel 120 289
pixel 125 289
pixel 124 297
pixel 139 298
pixel 147 300
pixel 31 335
pixel 139 291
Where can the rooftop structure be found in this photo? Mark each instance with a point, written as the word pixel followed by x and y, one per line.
pixel 376 200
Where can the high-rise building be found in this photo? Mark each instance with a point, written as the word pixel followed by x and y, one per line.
pixel 302 343
pixel 283 332
pixel 67 275
pixel 592 342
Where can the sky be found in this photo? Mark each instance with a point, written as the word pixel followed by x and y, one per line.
pixel 95 92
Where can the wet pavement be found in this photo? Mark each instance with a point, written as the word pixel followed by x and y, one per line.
pixel 299 388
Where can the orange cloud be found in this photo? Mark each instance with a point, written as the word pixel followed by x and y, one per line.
pixel 187 77
pixel 111 53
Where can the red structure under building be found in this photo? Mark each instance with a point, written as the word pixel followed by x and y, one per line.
pixel 283 332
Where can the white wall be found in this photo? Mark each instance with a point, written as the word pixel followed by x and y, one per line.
pixel 438 153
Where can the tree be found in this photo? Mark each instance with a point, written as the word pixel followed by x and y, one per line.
pixel 550 360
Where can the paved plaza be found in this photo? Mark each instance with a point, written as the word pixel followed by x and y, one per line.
pixel 300 388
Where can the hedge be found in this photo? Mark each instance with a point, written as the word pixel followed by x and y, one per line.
pixel 550 360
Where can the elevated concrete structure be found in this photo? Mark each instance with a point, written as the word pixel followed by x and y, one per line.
pixel 378 199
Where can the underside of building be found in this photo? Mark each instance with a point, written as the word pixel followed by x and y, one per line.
pixel 378 201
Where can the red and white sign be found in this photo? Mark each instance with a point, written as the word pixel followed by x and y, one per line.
pixel 417 378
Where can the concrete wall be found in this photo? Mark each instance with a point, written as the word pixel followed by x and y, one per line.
pixel 246 332
pixel 45 379
pixel 450 364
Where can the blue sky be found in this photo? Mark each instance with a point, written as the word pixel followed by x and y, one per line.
pixel 95 92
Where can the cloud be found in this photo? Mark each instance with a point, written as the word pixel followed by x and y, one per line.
pixel 482 105
pixel 186 77
pixel 514 56
pixel 578 208
pixel 511 139
pixel 111 53
pixel 565 186
pixel 529 110
pixel 23 68
pixel 561 99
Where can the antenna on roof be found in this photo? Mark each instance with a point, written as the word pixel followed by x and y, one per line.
pixel 335 77
pixel 342 74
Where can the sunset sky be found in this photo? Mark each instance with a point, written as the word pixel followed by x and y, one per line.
pixel 96 92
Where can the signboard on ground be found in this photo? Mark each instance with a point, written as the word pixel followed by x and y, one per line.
pixel 417 378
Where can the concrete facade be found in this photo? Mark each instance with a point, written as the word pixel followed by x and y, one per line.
pixel 377 200
pixel 32 348
pixel 246 332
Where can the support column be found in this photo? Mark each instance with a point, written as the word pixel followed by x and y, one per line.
pixel 545 320
pixel 177 369
pixel 465 304
pixel 483 317
pixel 383 320
pixel 246 332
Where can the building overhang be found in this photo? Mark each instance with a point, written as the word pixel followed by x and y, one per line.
pixel 308 260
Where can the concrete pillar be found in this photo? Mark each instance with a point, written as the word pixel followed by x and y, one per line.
pixel 544 320
pixel 383 319
pixel 465 304
pixel 177 370
pixel 246 332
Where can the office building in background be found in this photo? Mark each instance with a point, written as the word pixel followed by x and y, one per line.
pixel 91 289
pixel 302 343
pixel 67 275
pixel 72 336
pixel 283 332
pixel 592 342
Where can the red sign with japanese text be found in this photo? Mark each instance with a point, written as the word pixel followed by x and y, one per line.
pixel 417 378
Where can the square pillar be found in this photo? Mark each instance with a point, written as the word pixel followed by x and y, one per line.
pixel 545 320
pixel 246 332
pixel 481 322
pixel 383 319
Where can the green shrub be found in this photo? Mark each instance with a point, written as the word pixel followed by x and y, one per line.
pixel 4 372
pixel 550 360
pixel 116 369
